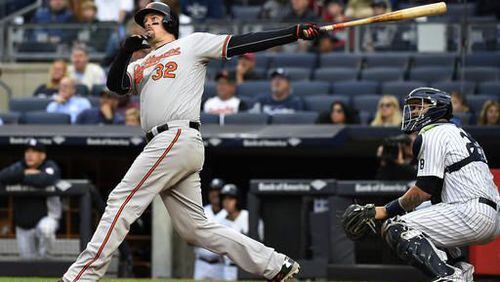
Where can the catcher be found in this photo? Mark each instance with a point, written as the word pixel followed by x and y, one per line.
pixel 453 173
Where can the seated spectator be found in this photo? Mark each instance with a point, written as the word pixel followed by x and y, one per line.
pixel 132 117
pixel 459 103
pixel 105 114
pixel 490 114
pixel 225 102
pixel 89 12
pixel 299 12
pixel 66 102
pixel 339 113
pixel 82 71
pixel 36 218
pixel 245 68
pixel 113 10
pixel 57 12
pixel 272 9
pixel 388 113
pixel 327 42
pixel 57 71
pixel 281 99
pixel 200 10
pixel 357 9
pixel 334 11
pixel 379 37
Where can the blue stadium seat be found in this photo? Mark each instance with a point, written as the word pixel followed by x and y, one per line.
pixel 206 118
pixel 39 117
pixel 28 104
pixel 307 88
pixel 431 74
pixel 355 88
pixel 366 103
pixel 96 89
pixel 487 59
pixel 400 88
pixel 434 60
pixel 465 118
pixel 466 87
pixel 82 90
pixel 476 102
pixel 480 74
pixel 335 60
pixel 94 101
pixel 365 117
pixel 295 118
pixel 262 60
pixel 394 60
pixel 383 74
pixel 246 118
pixel 246 13
pixel 489 87
pixel 210 90
pixel 336 74
pixel 301 60
pixel 296 74
pixel 321 103
pixel 37 47
pixel 10 117
pixel 253 88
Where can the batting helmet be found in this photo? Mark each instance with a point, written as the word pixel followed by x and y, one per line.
pixel 229 190
pixel 216 184
pixel 170 18
pixel 423 106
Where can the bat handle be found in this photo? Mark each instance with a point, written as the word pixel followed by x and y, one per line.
pixel 331 27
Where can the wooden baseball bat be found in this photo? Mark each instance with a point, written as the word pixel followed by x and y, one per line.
pixel 405 14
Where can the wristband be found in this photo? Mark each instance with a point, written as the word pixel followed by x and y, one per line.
pixel 394 208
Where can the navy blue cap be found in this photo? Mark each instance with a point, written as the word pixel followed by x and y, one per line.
pixel 279 71
pixel 35 145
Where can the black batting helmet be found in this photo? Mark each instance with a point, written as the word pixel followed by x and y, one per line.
pixel 229 190
pixel 170 18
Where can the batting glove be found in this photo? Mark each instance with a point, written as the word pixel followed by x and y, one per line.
pixel 308 31
pixel 135 42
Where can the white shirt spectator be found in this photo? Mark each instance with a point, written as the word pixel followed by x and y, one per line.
pixel 93 74
pixel 215 105
pixel 109 10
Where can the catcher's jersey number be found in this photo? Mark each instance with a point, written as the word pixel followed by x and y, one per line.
pixel 164 70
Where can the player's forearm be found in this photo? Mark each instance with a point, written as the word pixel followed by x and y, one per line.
pixel 406 203
pixel 118 79
pixel 259 41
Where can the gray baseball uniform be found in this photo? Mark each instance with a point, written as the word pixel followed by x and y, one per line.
pixel 170 82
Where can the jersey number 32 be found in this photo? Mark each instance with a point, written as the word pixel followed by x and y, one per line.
pixel 164 70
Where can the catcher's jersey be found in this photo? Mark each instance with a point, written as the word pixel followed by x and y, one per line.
pixel 444 145
pixel 170 79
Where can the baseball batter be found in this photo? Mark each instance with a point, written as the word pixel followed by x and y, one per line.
pixel 170 83
pixel 453 173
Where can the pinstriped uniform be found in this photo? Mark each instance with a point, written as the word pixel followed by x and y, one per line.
pixel 460 219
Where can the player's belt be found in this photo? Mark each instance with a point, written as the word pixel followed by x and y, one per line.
pixel 164 127
pixel 488 202
pixel 210 261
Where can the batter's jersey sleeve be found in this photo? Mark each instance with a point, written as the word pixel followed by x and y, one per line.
pixel 431 159
pixel 132 77
pixel 209 46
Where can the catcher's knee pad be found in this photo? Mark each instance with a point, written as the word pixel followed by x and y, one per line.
pixel 413 247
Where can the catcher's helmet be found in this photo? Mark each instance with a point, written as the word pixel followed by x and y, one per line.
pixel 423 106
pixel 170 18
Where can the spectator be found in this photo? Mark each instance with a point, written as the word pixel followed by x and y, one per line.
pixel 299 11
pixel 379 37
pixel 89 12
pixel 36 218
pixel 327 42
pixel 273 9
pixel 225 102
pixel 359 9
pixel 339 113
pixel 393 164
pixel 57 71
pixel 113 10
pixel 132 117
pixel 334 11
pixel 66 102
pixel 459 103
pixel 388 113
pixel 200 10
pixel 245 69
pixel 82 71
pixel 490 114
pixel 105 114
pixel 57 12
pixel 280 101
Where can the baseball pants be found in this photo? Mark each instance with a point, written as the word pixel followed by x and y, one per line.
pixel 169 165
pixel 37 242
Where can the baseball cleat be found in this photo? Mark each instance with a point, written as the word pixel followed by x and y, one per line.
pixel 289 269
pixel 456 276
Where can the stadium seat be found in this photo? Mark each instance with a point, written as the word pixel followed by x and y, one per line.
pixel 355 88
pixel 321 103
pixel 253 88
pixel 489 87
pixel 82 90
pixel 365 117
pixel 480 74
pixel 210 90
pixel 335 74
pixel 296 74
pixel 10 118
pixel 476 102
pixel 394 60
pixel 307 88
pixel 295 118
pixel 94 101
pixel 96 89
pixel 301 60
pixel 246 118
pixel 434 60
pixel 36 47
pixel 334 60
pixel 465 118
pixel 431 74
pixel 382 74
pixel 246 13
pixel 400 88
pixel 487 59
pixel 28 104
pixel 366 103
pixel 206 118
pixel 39 117
pixel 465 87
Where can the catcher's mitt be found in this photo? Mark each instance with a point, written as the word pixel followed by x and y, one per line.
pixel 357 220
